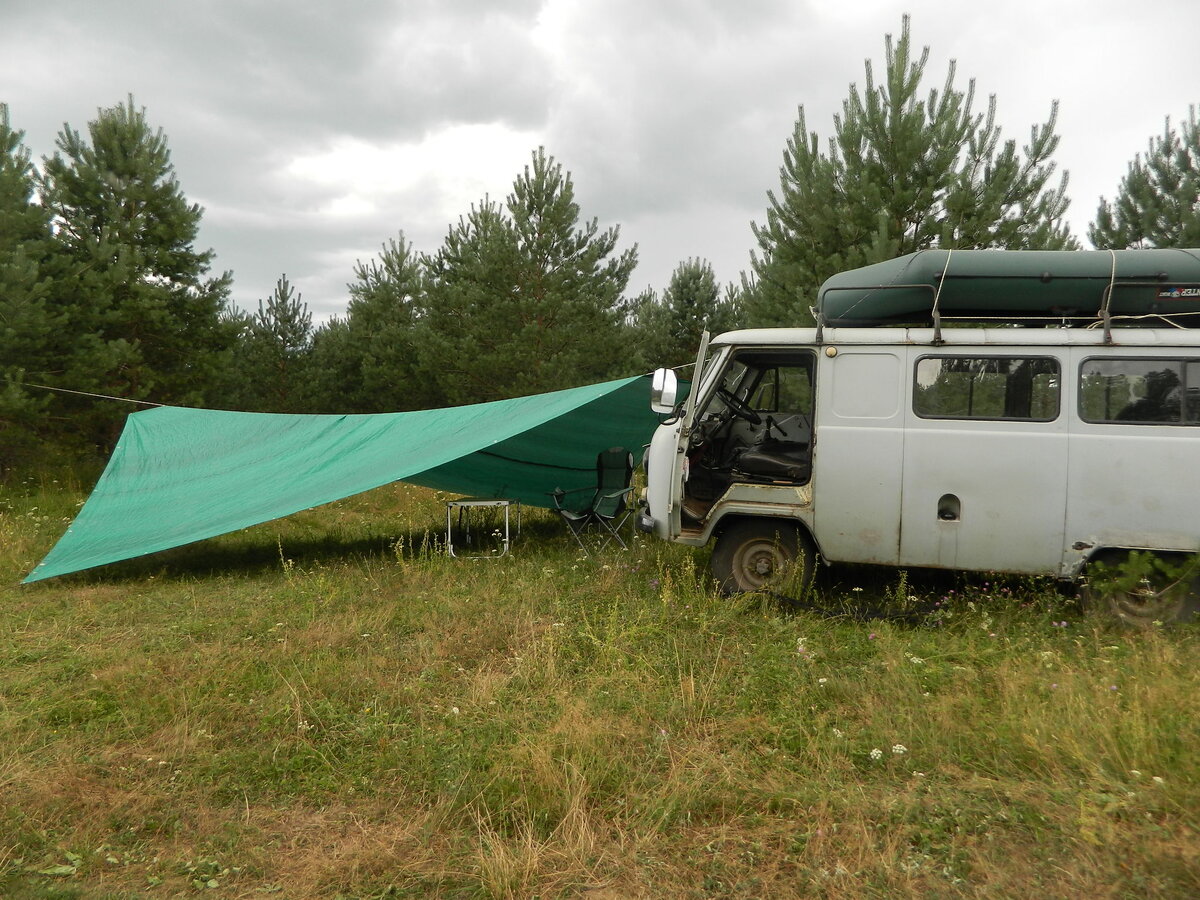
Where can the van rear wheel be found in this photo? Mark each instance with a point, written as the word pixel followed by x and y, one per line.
pixel 763 555
pixel 1143 589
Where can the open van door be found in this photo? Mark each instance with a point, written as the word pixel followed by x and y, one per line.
pixel 666 461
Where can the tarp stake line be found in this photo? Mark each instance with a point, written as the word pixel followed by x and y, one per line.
pixel 46 387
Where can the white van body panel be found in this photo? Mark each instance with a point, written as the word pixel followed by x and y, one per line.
pixel 1131 485
pixel 858 455
pixel 1010 485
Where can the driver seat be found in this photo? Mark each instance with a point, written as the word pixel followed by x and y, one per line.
pixel 776 460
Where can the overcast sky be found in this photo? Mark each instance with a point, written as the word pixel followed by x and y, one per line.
pixel 312 132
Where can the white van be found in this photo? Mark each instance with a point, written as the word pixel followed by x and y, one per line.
pixel 1010 449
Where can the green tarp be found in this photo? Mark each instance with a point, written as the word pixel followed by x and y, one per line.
pixel 181 475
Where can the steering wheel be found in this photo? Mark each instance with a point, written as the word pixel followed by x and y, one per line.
pixel 739 407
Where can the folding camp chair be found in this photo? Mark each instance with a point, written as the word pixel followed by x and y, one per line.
pixel 605 507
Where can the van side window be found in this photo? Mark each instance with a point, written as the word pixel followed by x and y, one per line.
pixel 987 387
pixel 1140 391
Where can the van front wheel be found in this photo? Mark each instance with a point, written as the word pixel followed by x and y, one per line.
pixel 763 555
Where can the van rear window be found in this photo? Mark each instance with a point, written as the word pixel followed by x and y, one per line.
pixel 1140 391
pixel 987 387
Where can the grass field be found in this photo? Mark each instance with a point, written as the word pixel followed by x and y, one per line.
pixel 329 706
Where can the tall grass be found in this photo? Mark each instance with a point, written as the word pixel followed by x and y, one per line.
pixel 329 706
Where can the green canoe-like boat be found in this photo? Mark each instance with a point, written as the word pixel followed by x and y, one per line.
pixel 1034 286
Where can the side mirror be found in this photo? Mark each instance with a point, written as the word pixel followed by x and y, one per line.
pixel 664 391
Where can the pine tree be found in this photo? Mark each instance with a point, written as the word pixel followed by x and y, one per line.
pixel 467 340
pixel 270 371
pixel 366 361
pixel 1158 204
pixel 668 330
pixel 527 300
pixel 901 174
pixel 144 321
pixel 383 314
pixel 335 371
pixel 26 324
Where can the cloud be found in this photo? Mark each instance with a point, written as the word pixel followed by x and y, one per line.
pixel 312 132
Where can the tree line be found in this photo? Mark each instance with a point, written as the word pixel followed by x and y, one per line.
pixel 103 291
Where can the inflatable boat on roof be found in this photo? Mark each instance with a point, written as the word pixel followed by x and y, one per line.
pixel 1075 287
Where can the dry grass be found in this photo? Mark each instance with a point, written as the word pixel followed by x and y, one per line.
pixel 284 712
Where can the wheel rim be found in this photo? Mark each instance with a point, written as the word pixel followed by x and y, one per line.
pixel 1148 602
pixel 1158 596
pixel 758 562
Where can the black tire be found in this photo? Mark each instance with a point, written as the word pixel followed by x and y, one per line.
pixel 1158 598
pixel 763 555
